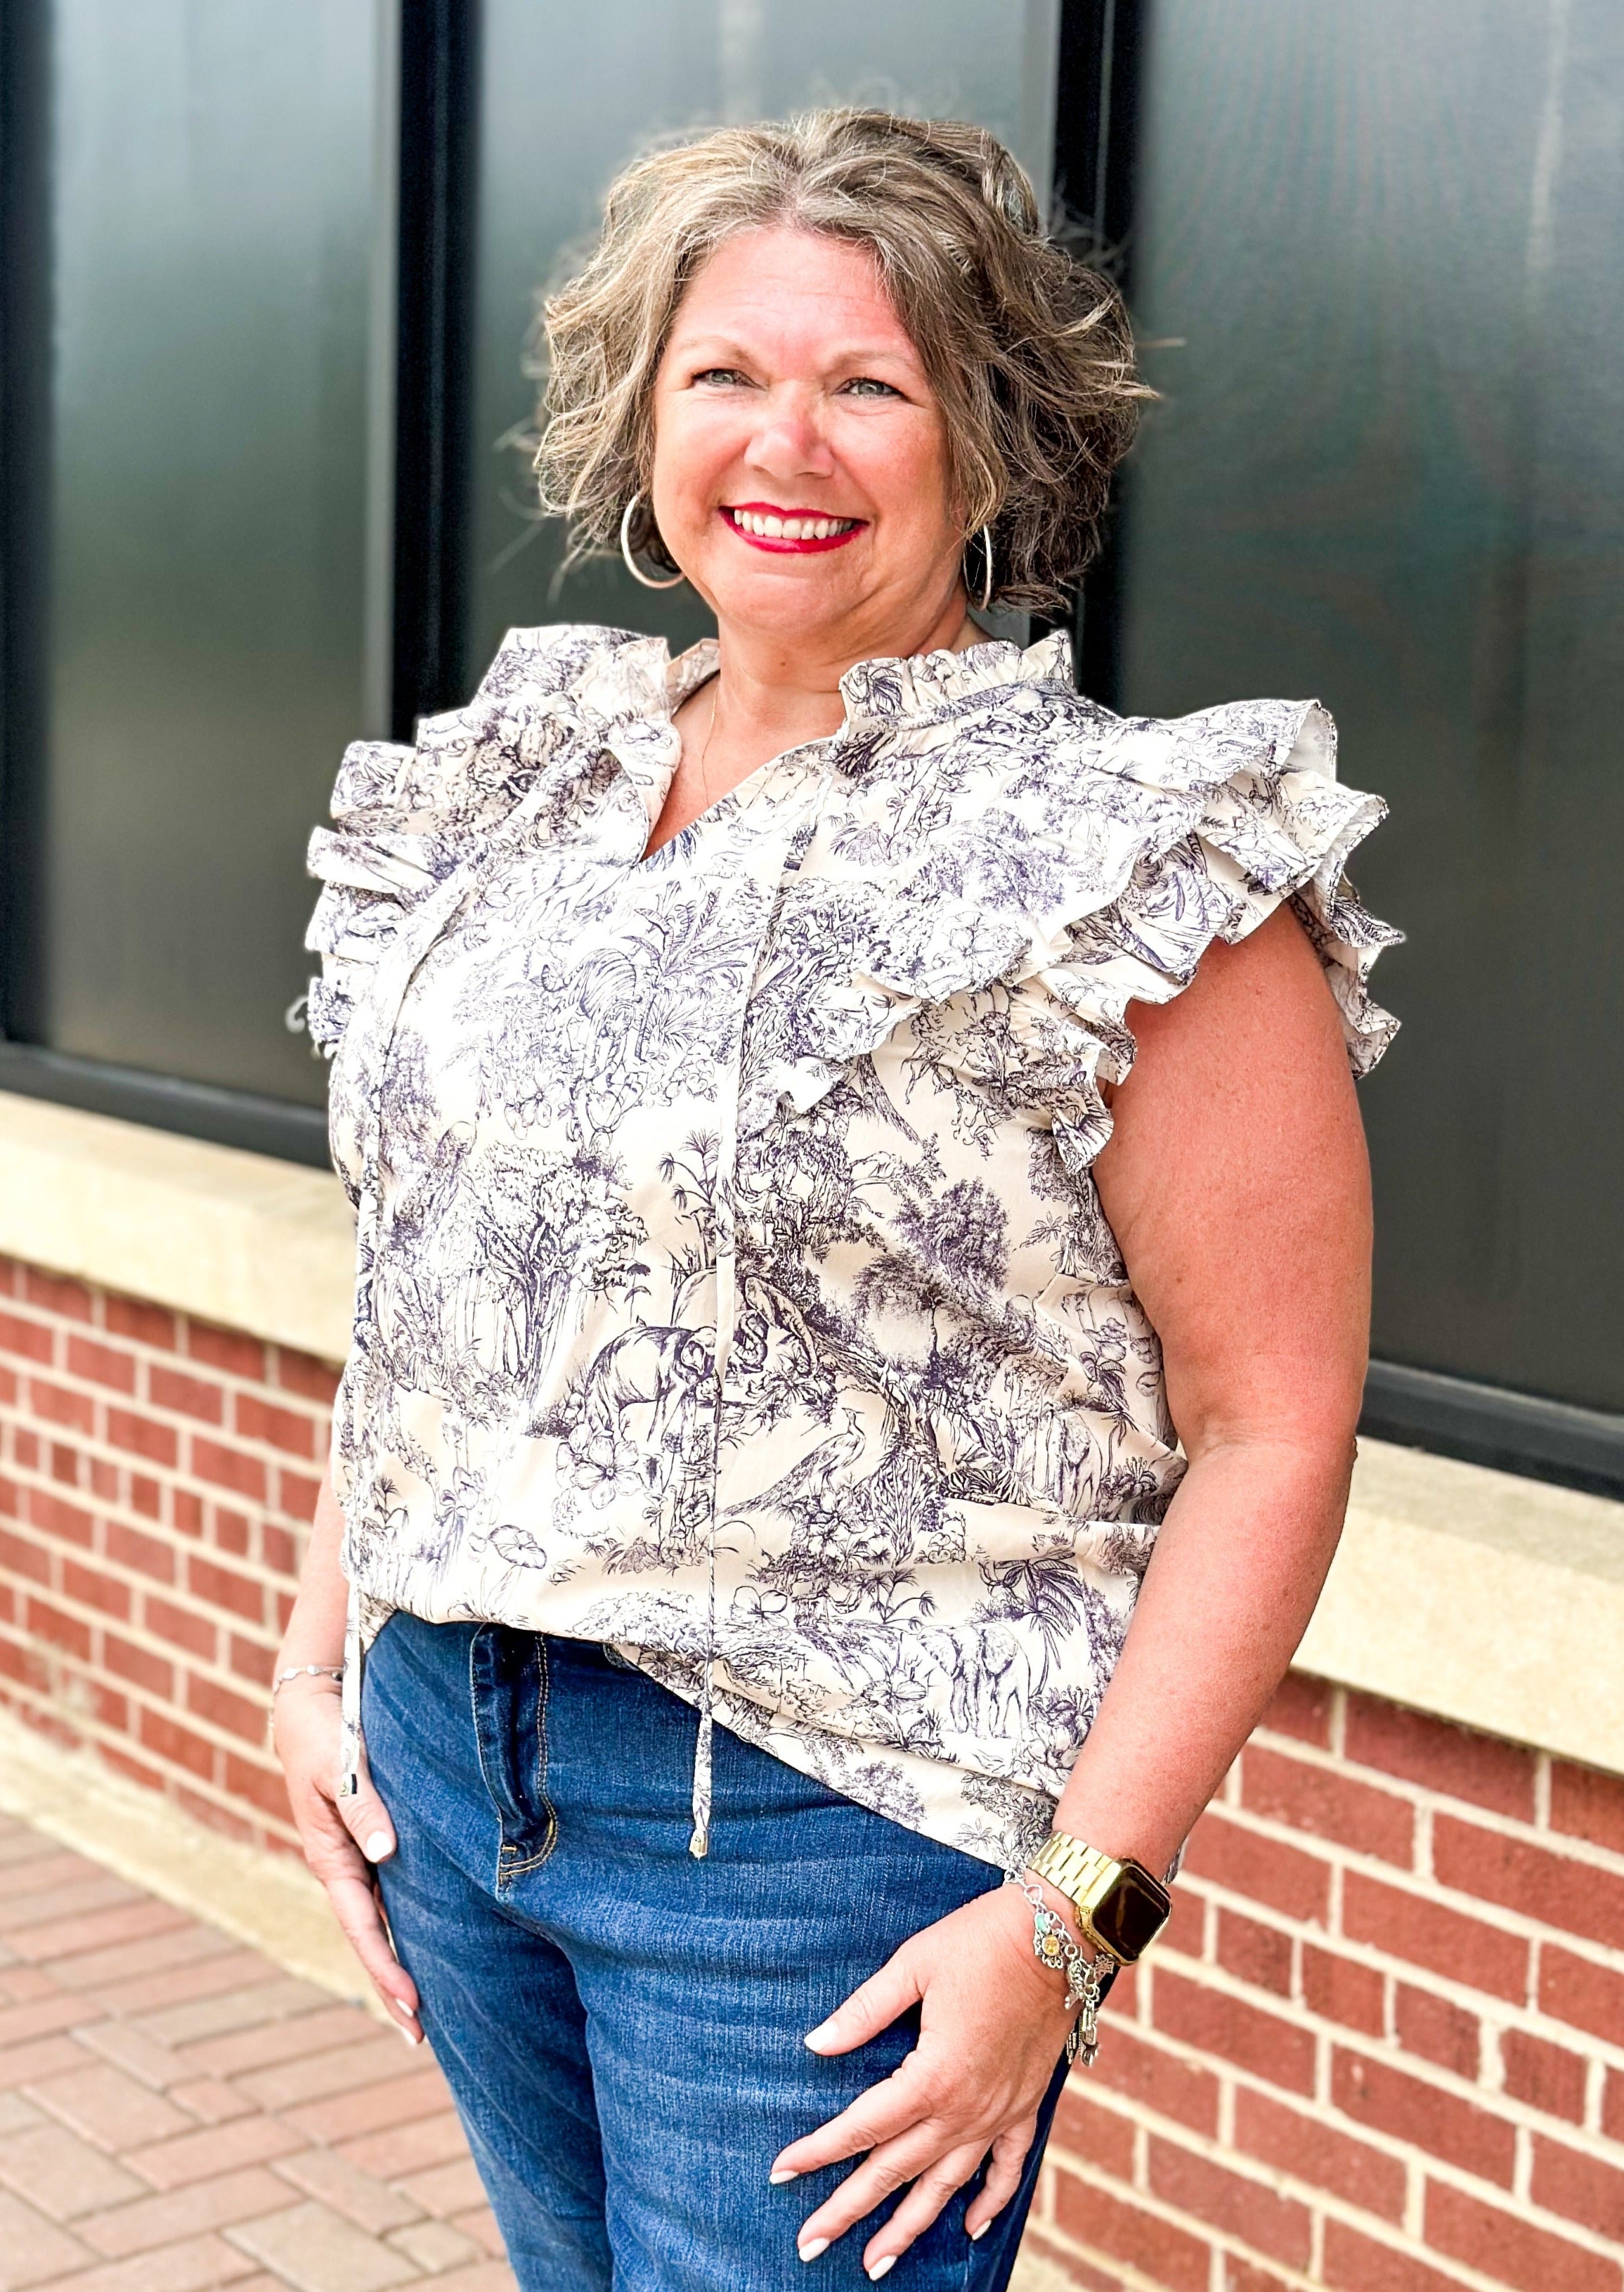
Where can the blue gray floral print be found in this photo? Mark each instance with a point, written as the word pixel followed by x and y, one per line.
pixel 732 1286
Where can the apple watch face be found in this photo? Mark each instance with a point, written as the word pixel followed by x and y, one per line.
pixel 1132 1914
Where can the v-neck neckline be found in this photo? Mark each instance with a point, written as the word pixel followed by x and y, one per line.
pixel 682 688
pixel 881 697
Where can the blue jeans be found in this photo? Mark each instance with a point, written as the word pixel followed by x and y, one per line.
pixel 621 2024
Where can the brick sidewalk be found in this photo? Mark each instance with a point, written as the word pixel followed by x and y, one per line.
pixel 177 2112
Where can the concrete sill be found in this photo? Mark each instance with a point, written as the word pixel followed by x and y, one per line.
pixel 253 1244
pixel 1483 1598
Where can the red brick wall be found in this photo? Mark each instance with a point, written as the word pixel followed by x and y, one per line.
pixel 1381 2050
pixel 1381 2047
pixel 157 1476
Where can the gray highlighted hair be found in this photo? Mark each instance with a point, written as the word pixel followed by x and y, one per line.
pixel 1029 352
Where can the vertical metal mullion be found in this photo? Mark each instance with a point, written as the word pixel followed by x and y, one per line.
pixel 383 355
pixel 1097 106
pixel 437 190
pixel 24 497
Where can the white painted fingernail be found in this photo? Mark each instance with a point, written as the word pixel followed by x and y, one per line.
pixel 779 2174
pixel 977 2233
pixel 821 2035
pixel 882 2268
pixel 377 1846
pixel 411 2037
pixel 815 2249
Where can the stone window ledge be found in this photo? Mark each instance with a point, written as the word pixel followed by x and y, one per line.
pixel 1492 1600
pixel 251 1244
pixel 1487 1599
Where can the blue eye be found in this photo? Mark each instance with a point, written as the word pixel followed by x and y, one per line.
pixel 865 385
pixel 719 375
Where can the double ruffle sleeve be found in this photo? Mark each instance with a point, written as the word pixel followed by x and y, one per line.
pixel 1034 844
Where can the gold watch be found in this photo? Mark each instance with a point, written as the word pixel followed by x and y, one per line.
pixel 1120 1906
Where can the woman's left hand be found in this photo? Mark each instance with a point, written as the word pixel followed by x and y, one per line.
pixel 992 2025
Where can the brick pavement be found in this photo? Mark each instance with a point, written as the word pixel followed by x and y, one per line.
pixel 177 2112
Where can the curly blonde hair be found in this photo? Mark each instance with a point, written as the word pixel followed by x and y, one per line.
pixel 1030 354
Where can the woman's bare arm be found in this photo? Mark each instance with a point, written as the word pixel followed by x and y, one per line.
pixel 1237 1185
pixel 340 1837
pixel 314 1630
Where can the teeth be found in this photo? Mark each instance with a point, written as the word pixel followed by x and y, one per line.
pixel 768 527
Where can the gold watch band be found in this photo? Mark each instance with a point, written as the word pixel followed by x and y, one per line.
pixel 1083 1874
pixel 1133 1906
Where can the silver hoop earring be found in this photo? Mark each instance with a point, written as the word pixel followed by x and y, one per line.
pixel 985 598
pixel 632 567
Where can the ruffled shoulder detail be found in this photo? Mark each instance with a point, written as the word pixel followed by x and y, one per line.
pixel 1273 822
pixel 404 819
pixel 1028 839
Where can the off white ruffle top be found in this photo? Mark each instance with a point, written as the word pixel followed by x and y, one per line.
pixel 732 1285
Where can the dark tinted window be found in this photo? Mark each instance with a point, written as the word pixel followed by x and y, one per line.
pixel 200 537
pixel 1383 248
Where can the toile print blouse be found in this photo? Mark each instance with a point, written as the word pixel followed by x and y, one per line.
pixel 732 1285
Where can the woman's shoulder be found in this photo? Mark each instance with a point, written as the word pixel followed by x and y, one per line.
pixel 1066 729
pixel 1248 788
pixel 556 657
pixel 1008 723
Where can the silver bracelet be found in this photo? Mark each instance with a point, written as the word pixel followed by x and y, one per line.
pixel 305 1671
pixel 1052 1946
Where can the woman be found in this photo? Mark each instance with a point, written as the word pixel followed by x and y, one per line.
pixel 860 1195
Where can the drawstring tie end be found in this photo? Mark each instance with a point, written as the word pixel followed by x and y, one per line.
pixel 699 1843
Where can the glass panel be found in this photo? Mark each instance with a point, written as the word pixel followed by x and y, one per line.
pixel 1383 248
pixel 570 95
pixel 211 220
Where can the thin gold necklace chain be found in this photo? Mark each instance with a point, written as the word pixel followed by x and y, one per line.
pixel 704 752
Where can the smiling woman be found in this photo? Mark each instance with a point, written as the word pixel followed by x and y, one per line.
pixel 1026 354
pixel 864 1246
pixel 788 368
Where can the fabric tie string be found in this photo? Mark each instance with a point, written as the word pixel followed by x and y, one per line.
pixel 781 856
pixel 726 1317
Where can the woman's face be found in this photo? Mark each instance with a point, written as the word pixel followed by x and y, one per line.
pixel 800 475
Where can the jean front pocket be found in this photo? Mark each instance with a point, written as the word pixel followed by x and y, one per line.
pixel 507 1675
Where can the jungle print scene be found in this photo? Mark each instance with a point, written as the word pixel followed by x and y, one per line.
pixel 732 1287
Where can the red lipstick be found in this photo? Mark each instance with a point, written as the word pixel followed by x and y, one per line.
pixel 802 542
